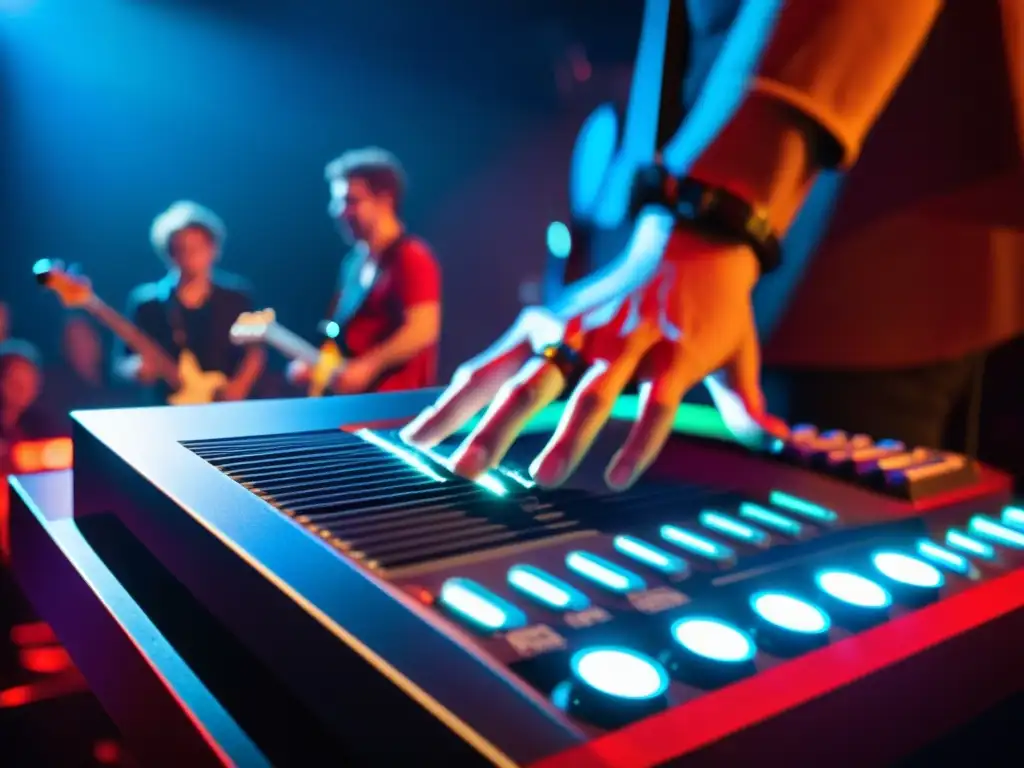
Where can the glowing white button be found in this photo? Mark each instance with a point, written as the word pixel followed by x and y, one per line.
pixel 480 606
pixel 621 673
pixel 790 613
pixel 545 588
pixel 940 556
pixel 714 640
pixel 853 590
pixel 908 570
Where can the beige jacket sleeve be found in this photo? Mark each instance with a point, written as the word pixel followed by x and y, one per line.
pixel 828 65
pixel 839 61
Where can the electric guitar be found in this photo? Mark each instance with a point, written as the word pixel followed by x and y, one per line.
pixel 191 385
pixel 262 328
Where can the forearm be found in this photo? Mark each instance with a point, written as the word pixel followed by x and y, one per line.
pixel 828 71
pixel 249 369
pixel 405 343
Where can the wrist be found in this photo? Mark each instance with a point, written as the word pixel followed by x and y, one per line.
pixel 371 363
pixel 716 214
pixel 764 155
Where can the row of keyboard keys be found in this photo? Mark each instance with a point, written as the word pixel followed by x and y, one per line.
pixel 888 466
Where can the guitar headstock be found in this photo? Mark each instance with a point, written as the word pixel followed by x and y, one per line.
pixel 252 327
pixel 73 290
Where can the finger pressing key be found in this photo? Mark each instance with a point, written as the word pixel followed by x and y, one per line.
pixel 471 389
pixel 535 386
pixel 586 412
pixel 659 401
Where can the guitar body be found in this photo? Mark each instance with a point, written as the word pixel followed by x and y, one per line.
pixel 197 386
pixel 330 360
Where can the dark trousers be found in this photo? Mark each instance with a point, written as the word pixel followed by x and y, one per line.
pixel 939 405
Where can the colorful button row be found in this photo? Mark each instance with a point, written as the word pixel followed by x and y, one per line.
pixel 721 651
pixel 849 591
pixel 979 539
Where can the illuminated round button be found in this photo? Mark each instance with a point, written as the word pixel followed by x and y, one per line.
pixel 709 653
pixel 620 673
pixel 790 613
pixel 913 580
pixel 786 625
pixel 714 640
pixel 854 590
pixel 908 570
pixel 853 600
pixel 612 686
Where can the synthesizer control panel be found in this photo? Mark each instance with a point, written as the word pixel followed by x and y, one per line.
pixel 769 579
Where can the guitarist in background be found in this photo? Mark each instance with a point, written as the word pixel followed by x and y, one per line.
pixel 21 381
pixel 192 308
pixel 388 305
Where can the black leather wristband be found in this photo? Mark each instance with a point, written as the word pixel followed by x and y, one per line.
pixel 711 210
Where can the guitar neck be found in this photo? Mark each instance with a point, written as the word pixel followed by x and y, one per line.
pixel 133 338
pixel 291 345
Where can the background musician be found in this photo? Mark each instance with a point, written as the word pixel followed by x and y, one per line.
pixel 192 307
pixel 388 304
pixel 21 381
pixel 81 378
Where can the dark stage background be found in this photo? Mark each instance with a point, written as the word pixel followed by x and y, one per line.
pixel 112 109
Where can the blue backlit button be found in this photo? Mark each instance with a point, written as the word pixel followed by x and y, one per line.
pixel 612 685
pixel 911 579
pixel 771 520
pixel 1014 517
pixel 786 624
pixel 969 545
pixel 709 652
pixel 734 529
pixel 651 556
pixel 603 572
pixel 479 607
pixel 805 509
pixel 620 673
pixel 852 598
pixel 546 589
pixel 944 558
pixel 698 545
pixel 994 531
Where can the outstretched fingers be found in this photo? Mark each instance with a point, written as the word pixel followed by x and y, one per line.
pixel 669 378
pixel 470 390
pixel 743 378
pixel 587 411
pixel 536 385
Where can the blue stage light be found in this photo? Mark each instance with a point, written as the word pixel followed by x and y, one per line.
pixel 559 240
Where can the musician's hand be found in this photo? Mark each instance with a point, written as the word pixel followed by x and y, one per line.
pixel 673 309
pixel 355 376
pixel 298 373
pixel 140 369
pixel 232 392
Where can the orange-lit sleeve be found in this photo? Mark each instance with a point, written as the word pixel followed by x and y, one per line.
pixel 839 61
pixel 827 71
